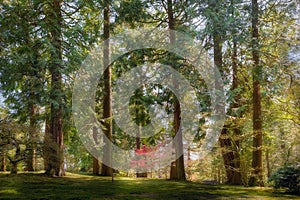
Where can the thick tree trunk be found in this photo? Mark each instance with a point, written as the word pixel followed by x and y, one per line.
pixel 177 168
pixel 106 169
pixel 227 154
pixel 96 166
pixel 55 165
pixel 257 177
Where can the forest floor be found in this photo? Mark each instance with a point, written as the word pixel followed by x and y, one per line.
pixel 75 186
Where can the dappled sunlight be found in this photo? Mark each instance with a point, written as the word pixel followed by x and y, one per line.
pixel 8 192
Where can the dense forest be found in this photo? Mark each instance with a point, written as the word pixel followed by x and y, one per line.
pixel 248 84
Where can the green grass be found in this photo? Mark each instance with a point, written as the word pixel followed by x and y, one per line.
pixel 75 186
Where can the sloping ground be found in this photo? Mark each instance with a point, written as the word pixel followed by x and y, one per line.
pixel 74 186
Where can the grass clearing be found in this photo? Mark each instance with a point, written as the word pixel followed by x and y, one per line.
pixel 76 186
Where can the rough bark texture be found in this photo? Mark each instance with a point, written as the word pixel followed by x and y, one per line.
pixel 227 154
pixel 55 165
pixel 106 169
pixel 177 168
pixel 257 177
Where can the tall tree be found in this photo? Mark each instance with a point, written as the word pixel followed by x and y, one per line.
pixel 55 163
pixel 177 168
pixel 231 145
pixel 257 177
pixel 223 26
pixel 23 75
pixel 216 12
pixel 106 169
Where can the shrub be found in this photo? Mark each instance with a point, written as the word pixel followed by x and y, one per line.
pixel 287 177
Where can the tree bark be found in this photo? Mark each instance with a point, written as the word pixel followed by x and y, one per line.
pixel 3 159
pixel 257 177
pixel 268 163
pixel 55 165
pixel 177 168
pixel 227 154
pixel 14 167
pixel 106 169
pixel 96 166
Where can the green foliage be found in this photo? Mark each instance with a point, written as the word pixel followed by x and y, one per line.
pixel 288 177
pixel 132 12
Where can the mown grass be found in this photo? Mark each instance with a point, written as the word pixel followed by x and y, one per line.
pixel 75 186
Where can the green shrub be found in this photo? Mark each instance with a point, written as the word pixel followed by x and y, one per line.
pixel 287 177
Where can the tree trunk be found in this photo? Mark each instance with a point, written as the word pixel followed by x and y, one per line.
pixel 179 144
pixel 55 165
pixel 3 159
pixel 268 163
pixel 96 166
pixel 227 154
pixel 106 169
pixel 14 167
pixel 257 176
pixel 177 168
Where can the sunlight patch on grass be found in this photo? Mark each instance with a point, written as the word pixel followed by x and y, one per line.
pixel 8 191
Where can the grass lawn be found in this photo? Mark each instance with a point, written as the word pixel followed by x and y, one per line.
pixel 75 186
